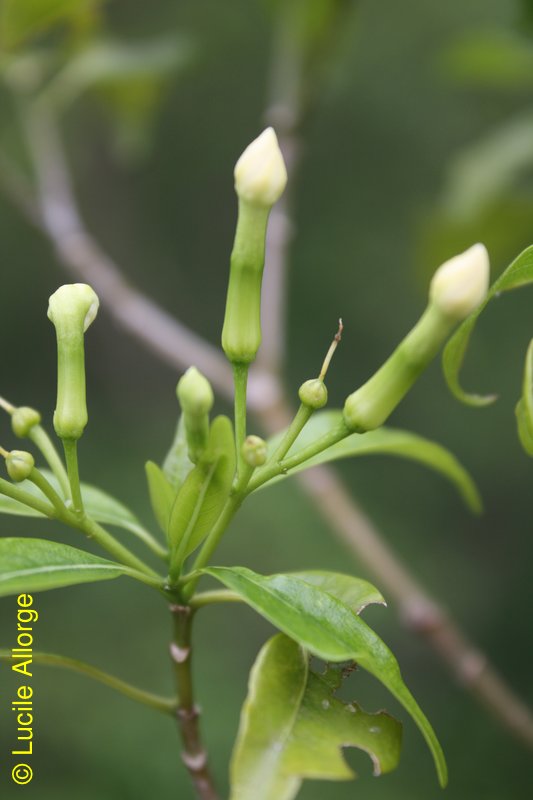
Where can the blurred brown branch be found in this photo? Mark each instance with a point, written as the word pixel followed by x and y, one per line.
pixel 56 213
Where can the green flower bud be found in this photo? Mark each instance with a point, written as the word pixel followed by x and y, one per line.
pixel 71 309
pixel 313 394
pixel 19 465
pixel 196 399
pixel 457 288
pixel 23 420
pixel 260 178
pixel 254 451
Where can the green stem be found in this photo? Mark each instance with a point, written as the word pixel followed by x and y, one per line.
pixel 155 701
pixel 201 599
pixel 27 499
pixel 48 490
pixel 42 441
pixel 194 754
pixel 270 471
pixel 303 415
pixel 240 380
pixel 71 457
pixel 95 531
pixel 228 512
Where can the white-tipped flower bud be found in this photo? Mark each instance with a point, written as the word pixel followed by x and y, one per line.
pixel 254 451
pixel 461 284
pixel 313 394
pixel 260 173
pixel 71 309
pixel 19 465
pixel 23 420
pixel 196 399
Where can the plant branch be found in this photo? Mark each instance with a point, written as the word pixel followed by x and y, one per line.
pixel 175 345
pixel 194 755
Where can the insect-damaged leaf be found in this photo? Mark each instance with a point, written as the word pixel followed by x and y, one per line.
pixel 292 728
pixel 329 629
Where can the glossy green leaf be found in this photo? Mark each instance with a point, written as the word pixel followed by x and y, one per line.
pixel 293 728
pixel 519 273
pixel 356 593
pixel 204 493
pixel 524 408
pixel 34 565
pixel 330 630
pixel 386 441
pixel 177 463
pixel 99 505
pixel 162 495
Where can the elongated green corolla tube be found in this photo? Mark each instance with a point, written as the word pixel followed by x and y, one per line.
pixel 260 178
pixel 457 288
pixel 196 399
pixel 71 309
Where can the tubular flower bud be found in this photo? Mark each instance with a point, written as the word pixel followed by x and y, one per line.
pixel 23 420
pixel 196 399
pixel 260 178
pixel 313 394
pixel 461 284
pixel 19 465
pixel 254 451
pixel 457 288
pixel 71 309
pixel 260 173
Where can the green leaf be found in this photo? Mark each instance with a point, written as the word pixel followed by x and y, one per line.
pixel 389 441
pixel 116 63
pixel 162 495
pixel 22 20
pixel 293 728
pixel 204 493
pixel 519 273
pixel 99 505
pixel 356 593
pixel 524 408
pixel 34 565
pixel 330 630
pixel 177 463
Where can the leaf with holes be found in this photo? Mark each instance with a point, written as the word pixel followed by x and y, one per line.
pixel 292 727
pixel 330 630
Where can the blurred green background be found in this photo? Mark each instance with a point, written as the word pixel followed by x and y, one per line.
pixel 419 142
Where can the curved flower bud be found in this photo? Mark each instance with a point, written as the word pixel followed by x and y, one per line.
pixel 196 399
pixel 19 465
pixel 260 173
pixel 23 420
pixel 254 451
pixel 461 284
pixel 313 394
pixel 71 309
pixel 457 288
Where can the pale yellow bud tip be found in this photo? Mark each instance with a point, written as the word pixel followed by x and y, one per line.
pixel 260 173
pixel 73 303
pixel 461 284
